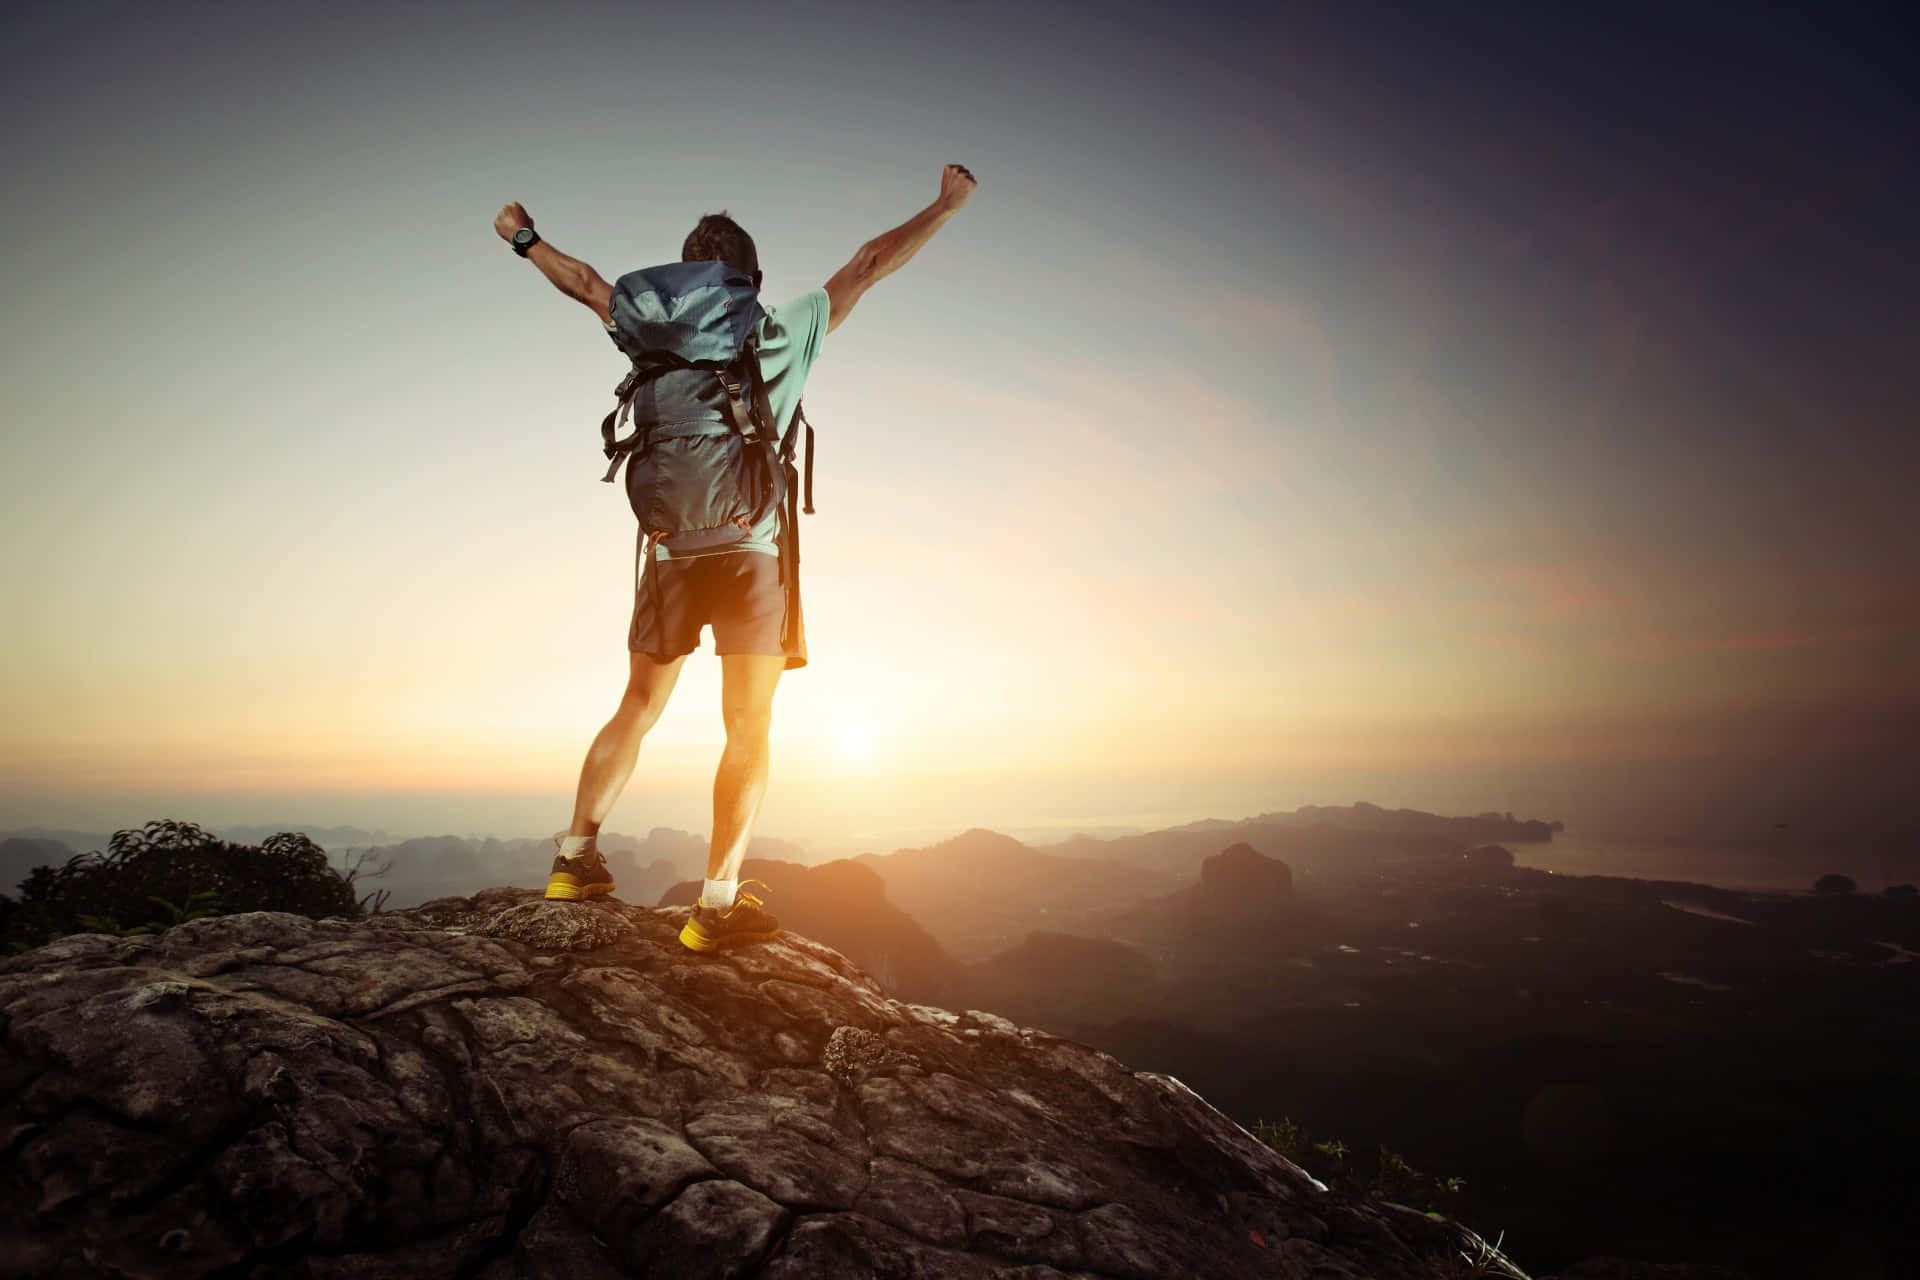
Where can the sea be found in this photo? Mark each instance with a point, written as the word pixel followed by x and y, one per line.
pixel 1779 860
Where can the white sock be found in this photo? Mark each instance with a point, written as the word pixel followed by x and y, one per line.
pixel 719 894
pixel 576 846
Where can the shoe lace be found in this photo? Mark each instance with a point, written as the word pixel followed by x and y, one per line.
pixel 753 899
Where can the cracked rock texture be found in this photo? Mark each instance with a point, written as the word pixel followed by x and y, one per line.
pixel 501 1086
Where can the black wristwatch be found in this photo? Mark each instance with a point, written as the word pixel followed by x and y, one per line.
pixel 524 239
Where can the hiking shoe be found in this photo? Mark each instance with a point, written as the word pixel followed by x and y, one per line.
pixel 578 879
pixel 744 921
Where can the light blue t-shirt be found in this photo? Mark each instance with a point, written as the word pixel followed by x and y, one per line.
pixel 788 340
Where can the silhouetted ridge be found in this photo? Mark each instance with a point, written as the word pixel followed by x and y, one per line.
pixel 981 892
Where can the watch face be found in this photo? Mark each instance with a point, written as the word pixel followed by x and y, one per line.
pixel 523 237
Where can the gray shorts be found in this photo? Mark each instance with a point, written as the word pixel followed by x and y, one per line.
pixel 738 593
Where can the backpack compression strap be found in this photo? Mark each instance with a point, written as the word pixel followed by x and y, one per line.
pixel 610 426
pixel 618 450
pixel 752 422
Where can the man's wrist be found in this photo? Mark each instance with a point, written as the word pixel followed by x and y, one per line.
pixel 523 240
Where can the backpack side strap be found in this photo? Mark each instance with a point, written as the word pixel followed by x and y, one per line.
pixel 800 416
pixel 764 407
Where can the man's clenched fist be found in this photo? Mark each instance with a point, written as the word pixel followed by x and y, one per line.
pixel 510 219
pixel 956 184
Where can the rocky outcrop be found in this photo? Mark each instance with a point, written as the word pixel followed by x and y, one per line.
pixel 1488 857
pixel 1243 878
pixel 500 1087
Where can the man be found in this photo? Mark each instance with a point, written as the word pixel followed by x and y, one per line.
pixel 737 590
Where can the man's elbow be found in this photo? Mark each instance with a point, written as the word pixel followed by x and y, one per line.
pixel 862 269
pixel 846 288
pixel 590 289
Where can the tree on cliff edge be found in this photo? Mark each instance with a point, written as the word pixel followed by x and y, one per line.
pixel 160 874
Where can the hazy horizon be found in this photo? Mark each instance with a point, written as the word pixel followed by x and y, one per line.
pixel 1669 813
pixel 1460 411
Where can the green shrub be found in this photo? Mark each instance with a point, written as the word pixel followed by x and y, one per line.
pixel 164 873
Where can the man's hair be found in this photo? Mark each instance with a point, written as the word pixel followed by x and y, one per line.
pixel 718 238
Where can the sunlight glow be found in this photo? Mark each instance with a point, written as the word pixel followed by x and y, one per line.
pixel 852 742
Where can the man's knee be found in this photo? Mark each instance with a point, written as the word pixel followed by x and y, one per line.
pixel 746 696
pixel 650 683
pixel 748 725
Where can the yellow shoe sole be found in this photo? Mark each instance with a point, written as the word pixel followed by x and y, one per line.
pixel 697 939
pixel 567 889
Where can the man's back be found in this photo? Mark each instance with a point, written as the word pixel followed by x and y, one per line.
pixel 787 341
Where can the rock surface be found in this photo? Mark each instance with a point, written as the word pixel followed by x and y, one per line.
pixel 501 1087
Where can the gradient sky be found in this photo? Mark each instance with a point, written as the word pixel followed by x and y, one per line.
pixel 1512 409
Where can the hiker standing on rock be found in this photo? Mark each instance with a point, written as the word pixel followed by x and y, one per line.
pixel 713 397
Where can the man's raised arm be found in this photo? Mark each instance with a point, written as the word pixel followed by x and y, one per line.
pixel 569 275
pixel 885 254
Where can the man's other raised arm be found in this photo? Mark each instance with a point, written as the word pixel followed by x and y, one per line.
pixel 569 275
pixel 885 254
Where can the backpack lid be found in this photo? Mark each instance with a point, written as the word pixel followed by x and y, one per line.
pixel 700 312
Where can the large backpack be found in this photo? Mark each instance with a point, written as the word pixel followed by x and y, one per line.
pixel 704 460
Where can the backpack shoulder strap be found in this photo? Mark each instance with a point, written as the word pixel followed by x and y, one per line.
pixel 747 419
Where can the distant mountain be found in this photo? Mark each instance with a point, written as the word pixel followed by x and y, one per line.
pixel 1240 888
pixel 19 855
pixel 1481 828
pixel 845 905
pixel 982 892
pixel 1241 919
pixel 1321 850
pixel 332 839
pixel 66 837
pixel 1075 985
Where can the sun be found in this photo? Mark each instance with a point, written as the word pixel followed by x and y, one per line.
pixel 852 742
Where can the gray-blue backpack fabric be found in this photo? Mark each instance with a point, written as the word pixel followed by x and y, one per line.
pixel 704 464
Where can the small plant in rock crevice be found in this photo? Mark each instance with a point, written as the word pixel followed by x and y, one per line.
pixel 1386 1175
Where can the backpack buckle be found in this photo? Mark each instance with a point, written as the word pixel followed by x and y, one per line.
pixel 737 407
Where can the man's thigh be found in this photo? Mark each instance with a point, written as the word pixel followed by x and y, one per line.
pixel 739 594
pixel 670 606
pixel 749 613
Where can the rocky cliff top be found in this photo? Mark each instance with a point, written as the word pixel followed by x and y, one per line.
pixel 501 1086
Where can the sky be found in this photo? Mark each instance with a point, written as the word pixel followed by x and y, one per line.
pixel 1490 407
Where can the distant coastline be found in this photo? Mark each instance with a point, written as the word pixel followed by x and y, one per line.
pixel 1783 862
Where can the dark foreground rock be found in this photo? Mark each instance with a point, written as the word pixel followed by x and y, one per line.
pixel 501 1086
